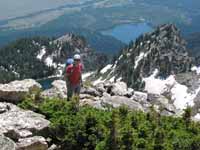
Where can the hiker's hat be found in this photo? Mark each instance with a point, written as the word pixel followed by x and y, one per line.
pixel 69 61
pixel 77 57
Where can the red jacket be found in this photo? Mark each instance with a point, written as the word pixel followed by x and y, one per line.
pixel 74 73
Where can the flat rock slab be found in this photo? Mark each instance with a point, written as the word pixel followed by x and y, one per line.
pixel 6 143
pixel 17 90
pixel 17 123
pixel 32 143
pixel 117 101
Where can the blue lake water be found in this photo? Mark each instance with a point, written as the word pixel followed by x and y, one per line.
pixel 46 83
pixel 128 32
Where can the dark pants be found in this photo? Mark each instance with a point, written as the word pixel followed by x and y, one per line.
pixel 72 90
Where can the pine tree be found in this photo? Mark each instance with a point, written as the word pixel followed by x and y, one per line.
pixel 187 116
pixel 112 141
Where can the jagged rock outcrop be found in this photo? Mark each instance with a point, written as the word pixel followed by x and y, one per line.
pixel 16 91
pixel 157 64
pixel 163 49
pixel 109 94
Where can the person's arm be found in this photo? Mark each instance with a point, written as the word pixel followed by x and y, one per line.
pixel 81 80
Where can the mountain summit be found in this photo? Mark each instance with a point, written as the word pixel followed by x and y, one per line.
pixel 163 50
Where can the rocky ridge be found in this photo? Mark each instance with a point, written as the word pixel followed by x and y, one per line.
pixel 163 49
pixel 159 65
pixel 108 94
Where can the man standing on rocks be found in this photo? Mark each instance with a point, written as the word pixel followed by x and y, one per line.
pixel 74 75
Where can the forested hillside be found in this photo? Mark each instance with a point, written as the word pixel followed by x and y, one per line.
pixel 41 57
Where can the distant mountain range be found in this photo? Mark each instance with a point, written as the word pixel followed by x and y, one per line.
pixel 41 57
pixel 90 17
pixel 99 42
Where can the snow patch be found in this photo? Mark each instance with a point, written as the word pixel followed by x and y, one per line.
pixel 49 62
pixel 112 79
pixel 196 69
pixel 35 43
pixel 197 117
pixel 41 53
pixel 86 75
pixel 179 92
pixel 119 79
pixel 181 97
pixel 16 73
pixel 138 59
pixel 3 68
pixel 65 38
pixel 120 57
pixel 106 68
pixel 60 69
pixel 98 81
pixel 154 85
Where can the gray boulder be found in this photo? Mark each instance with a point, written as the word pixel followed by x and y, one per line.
pixel 17 123
pixel 86 96
pixel 163 104
pixel 100 88
pixel 6 143
pixel 91 102
pixel 140 97
pixel 166 113
pixel 90 91
pixel 120 89
pixel 157 99
pixel 17 90
pixel 117 101
pixel 32 143
pixel 58 89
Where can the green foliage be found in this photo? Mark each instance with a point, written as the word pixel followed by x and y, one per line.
pixel 187 116
pixel 87 83
pixel 87 128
